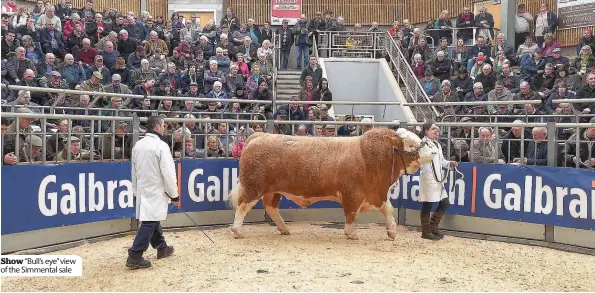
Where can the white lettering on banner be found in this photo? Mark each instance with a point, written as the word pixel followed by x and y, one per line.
pixel 68 199
pixel 545 198
pixel 213 190
pixel 454 197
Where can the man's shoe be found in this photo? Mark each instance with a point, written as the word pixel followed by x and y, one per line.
pixel 137 262
pixel 165 251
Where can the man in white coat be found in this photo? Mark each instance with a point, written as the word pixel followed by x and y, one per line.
pixel 154 186
pixel 431 184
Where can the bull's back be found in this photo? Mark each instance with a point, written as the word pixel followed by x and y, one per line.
pixel 303 166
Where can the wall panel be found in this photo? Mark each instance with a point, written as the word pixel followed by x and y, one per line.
pixel 155 7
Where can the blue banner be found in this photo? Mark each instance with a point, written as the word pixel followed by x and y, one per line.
pixel 542 195
pixel 45 196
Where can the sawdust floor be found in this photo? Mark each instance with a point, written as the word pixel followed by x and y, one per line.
pixel 318 257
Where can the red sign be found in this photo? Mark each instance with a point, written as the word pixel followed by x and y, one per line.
pixel 285 9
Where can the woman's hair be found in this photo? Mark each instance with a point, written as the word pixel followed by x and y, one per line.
pixel 425 128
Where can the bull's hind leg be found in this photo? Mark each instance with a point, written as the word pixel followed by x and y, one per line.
pixel 391 226
pixel 243 202
pixel 271 205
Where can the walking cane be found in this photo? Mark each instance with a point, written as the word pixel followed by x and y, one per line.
pixel 195 225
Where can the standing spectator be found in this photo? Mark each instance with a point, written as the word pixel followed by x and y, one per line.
pixel 545 22
pixel 485 21
pixel 585 148
pixel 522 25
pixel 230 22
pixel 323 93
pixel 465 20
pixel 286 36
pixel 302 42
pixel 312 70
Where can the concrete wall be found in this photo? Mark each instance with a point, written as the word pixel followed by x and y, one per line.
pixel 353 79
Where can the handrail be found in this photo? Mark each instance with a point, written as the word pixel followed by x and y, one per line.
pixel 574 101
pixel 414 103
pixel 91 93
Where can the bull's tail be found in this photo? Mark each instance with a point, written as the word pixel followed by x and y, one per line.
pixel 234 196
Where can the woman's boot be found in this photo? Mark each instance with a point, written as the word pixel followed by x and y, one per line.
pixel 435 222
pixel 426 232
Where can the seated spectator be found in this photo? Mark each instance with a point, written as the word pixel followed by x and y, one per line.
pixel 212 75
pixel 586 40
pixel 460 54
pixel 505 46
pixel 486 149
pixel 585 149
pixel 512 141
pixel 570 116
pixel 9 43
pixel 549 45
pixel 135 59
pixel 192 152
pixel 121 141
pixel 74 153
pixel 587 92
pixel 500 61
pixel 572 82
pixel 158 63
pixel 87 54
pixel 419 67
pixel 32 50
pixel 242 66
pixel 441 66
pixel 51 40
pixel 532 65
pixel 477 95
pixel 430 84
pixel 585 61
pixel 266 67
pixel 537 150
pixel 101 68
pixel 295 112
pixel 544 83
pixel 219 93
pixel 500 93
pixel 465 132
pixel 423 49
pixel 477 68
pixel 223 62
pixel 480 47
pixel 560 94
pixel 446 95
pixel 509 79
pixel 529 47
pixel 17 64
pixel 487 78
pixel 557 59
pixel 31 150
pixel 532 114
pixel 214 147
pixel 525 94
pixel 121 70
pixel 324 116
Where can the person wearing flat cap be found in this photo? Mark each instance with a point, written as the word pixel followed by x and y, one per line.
pixel 10 136
pixel 93 84
pixel 122 145
pixel 118 87
pixel 75 149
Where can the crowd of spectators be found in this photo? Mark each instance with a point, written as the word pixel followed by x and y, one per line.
pixel 61 47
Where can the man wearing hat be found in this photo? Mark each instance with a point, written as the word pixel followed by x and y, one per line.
pixel 119 88
pixel 282 128
pixel 74 151
pixel 93 84
pixel 31 150
pixel 430 84
pixel 462 84
pixel 102 69
pixel 10 136
pixel 557 59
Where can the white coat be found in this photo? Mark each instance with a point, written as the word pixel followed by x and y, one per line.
pixel 153 174
pixel 431 190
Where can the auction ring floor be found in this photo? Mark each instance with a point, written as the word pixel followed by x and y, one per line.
pixel 318 257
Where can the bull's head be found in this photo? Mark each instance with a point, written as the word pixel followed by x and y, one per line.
pixel 411 149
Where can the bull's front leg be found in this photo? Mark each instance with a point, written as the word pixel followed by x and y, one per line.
pixel 350 224
pixel 391 226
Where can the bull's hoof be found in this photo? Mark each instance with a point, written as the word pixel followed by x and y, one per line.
pixel 392 234
pixel 284 232
pixel 352 237
pixel 236 233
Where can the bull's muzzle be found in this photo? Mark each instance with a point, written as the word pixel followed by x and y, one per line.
pixel 425 154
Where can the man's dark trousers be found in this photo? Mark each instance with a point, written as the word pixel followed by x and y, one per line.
pixel 149 232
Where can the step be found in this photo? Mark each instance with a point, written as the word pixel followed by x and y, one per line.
pixel 289 86
pixel 288 77
pixel 288 72
pixel 284 97
pixel 287 91
pixel 289 83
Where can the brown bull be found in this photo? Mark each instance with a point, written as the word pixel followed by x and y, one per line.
pixel 354 171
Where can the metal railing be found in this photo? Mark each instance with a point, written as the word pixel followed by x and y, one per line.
pixel 427 33
pixel 196 138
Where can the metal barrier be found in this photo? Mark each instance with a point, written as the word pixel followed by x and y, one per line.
pixel 453 32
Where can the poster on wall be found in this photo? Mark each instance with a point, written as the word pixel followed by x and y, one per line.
pixel 285 9
pixel 576 13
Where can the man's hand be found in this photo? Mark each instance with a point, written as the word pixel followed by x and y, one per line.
pixel 176 203
pixel 454 163
pixel 10 159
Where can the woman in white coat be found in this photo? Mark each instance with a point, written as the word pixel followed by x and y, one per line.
pixel 431 186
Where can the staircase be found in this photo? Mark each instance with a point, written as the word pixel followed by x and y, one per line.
pixel 288 84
